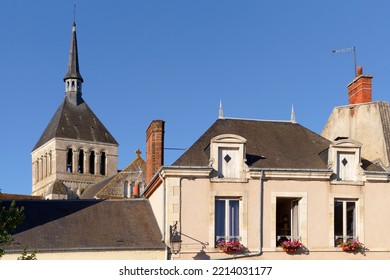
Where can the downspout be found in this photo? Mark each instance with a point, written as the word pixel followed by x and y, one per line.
pixel 167 251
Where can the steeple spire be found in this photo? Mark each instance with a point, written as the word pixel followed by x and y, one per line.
pixel 73 79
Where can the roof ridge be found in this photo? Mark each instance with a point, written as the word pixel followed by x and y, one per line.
pixel 259 120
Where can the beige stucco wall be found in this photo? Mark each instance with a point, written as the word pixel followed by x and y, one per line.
pixel 360 122
pixel 316 216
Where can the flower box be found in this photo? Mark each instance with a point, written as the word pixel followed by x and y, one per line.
pixel 229 246
pixel 351 245
pixel 291 245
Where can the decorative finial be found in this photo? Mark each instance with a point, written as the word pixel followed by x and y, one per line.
pixel 74 14
pixel 293 120
pixel 220 114
pixel 138 152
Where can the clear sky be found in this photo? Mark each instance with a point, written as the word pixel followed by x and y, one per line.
pixel 175 60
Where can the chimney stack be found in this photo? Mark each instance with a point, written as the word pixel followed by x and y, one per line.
pixel 360 89
pixel 154 148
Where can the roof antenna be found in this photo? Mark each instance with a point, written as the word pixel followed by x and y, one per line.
pixel 347 50
pixel 220 113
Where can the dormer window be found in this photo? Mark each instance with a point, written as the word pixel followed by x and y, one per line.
pixel 227 157
pixel 344 159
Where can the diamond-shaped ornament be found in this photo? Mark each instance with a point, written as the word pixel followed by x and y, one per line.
pixel 227 158
pixel 344 161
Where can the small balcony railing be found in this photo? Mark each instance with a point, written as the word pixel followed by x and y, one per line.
pixel 339 239
pixel 282 238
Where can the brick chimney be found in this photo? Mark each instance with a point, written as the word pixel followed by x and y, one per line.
pixel 360 89
pixel 154 148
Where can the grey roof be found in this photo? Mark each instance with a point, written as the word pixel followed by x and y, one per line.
pixel 91 191
pixel 112 187
pixel 86 225
pixel 73 63
pixel 270 144
pixel 76 122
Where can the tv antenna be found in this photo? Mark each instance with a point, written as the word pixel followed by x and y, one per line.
pixel 348 50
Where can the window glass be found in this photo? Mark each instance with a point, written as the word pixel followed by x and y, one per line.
pixel 227 215
pixel 344 220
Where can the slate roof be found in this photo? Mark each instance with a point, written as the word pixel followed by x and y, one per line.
pixel 86 225
pixel 73 63
pixel 76 122
pixel 270 144
pixel 113 186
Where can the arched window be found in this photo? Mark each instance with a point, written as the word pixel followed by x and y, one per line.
pixel 69 161
pixel 72 84
pixel 126 190
pixel 92 162
pixel 103 164
pixel 81 162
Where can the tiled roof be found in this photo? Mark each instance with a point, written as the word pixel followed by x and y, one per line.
pixel 76 122
pixel 87 225
pixel 270 144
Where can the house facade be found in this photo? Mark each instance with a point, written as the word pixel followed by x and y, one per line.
pixel 265 182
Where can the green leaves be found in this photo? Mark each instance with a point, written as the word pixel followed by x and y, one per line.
pixel 10 218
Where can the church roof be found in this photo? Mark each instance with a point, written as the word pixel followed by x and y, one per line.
pixel 270 144
pixel 113 186
pixel 76 122
pixel 86 225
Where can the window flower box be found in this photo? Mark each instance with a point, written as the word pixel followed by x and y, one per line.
pixel 229 246
pixel 352 245
pixel 291 245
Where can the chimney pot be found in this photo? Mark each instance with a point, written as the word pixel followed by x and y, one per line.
pixel 359 71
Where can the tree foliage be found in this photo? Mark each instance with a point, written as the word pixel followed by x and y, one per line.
pixel 10 218
pixel 25 256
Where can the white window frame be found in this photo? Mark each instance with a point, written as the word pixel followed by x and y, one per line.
pixel 359 206
pixel 344 226
pixel 227 225
pixel 302 215
pixel 242 197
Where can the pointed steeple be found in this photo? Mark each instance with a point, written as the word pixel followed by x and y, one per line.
pixel 73 79
pixel 73 63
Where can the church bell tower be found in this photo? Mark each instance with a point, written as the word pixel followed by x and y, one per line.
pixel 75 150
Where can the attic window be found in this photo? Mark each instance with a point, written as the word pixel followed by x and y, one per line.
pixel 344 158
pixel 227 156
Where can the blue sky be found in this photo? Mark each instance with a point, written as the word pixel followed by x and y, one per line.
pixel 175 60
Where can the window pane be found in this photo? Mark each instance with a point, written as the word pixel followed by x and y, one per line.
pixel 338 218
pixel 234 219
pixel 351 219
pixel 219 219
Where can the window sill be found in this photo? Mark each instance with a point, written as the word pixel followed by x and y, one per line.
pixel 229 180
pixel 341 182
